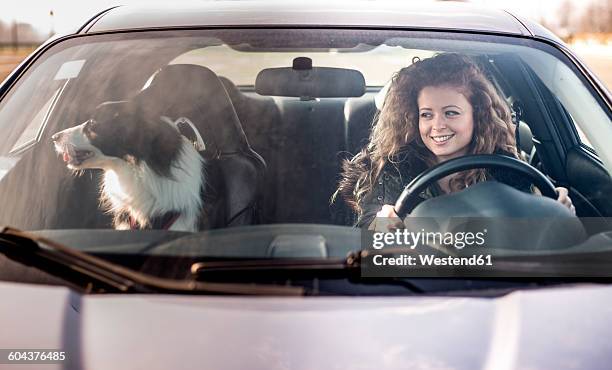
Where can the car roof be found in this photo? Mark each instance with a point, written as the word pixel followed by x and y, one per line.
pixel 434 15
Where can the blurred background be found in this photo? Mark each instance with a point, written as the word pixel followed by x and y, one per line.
pixel 586 25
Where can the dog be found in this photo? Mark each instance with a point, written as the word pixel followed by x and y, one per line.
pixel 153 176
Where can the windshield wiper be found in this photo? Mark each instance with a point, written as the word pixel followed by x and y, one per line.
pixel 352 262
pixel 358 265
pixel 593 264
pixel 349 268
pixel 96 275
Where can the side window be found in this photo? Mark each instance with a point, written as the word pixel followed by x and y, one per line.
pixel 22 127
pixel 35 128
pixel 576 98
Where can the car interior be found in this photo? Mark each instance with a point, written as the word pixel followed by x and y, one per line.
pixel 274 150
pixel 547 143
pixel 278 146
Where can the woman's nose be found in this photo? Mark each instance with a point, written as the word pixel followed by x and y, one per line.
pixel 438 123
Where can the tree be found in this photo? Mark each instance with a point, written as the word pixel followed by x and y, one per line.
pixel 597 17
pixel 565 13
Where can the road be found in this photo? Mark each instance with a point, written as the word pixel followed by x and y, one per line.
pixel 9 59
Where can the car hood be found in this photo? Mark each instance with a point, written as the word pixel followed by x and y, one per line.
pixel 555 328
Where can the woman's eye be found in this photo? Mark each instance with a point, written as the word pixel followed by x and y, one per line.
pixel 451 113
pixel 425 115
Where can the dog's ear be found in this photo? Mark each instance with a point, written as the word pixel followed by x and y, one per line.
pixel 165 147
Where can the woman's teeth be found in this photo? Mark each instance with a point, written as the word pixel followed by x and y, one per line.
pixel 441 139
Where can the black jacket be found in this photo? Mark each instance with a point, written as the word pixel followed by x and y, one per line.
pixel 396 175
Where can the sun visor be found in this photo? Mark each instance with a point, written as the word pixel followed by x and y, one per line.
pixel 305 81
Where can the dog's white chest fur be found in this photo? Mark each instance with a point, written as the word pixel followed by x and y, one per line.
pixel 137 190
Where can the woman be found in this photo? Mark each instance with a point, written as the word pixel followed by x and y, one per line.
pixel 435 110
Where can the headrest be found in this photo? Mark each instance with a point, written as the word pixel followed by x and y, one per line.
pixel 524 138
pixel 196 93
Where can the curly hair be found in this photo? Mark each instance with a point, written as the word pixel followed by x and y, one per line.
pixel 396 127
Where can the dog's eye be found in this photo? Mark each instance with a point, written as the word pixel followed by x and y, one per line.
pixel 89 127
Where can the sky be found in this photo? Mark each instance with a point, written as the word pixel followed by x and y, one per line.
pixel 69 14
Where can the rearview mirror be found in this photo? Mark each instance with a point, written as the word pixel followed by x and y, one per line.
pixel 304 81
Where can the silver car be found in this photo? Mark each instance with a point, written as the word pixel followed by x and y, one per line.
pixel 167 182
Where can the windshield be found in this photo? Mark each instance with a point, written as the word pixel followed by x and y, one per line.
pixel 277 143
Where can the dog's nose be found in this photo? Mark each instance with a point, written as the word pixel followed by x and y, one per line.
pixel 56 137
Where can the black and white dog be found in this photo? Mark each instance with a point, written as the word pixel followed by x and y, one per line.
pixel 153 175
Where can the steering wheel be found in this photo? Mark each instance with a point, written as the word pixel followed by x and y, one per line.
pixel 408 200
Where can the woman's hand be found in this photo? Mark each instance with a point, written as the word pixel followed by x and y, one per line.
pixel 565 199
pixel 386 220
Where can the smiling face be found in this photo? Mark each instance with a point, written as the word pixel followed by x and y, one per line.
pixel 446 122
